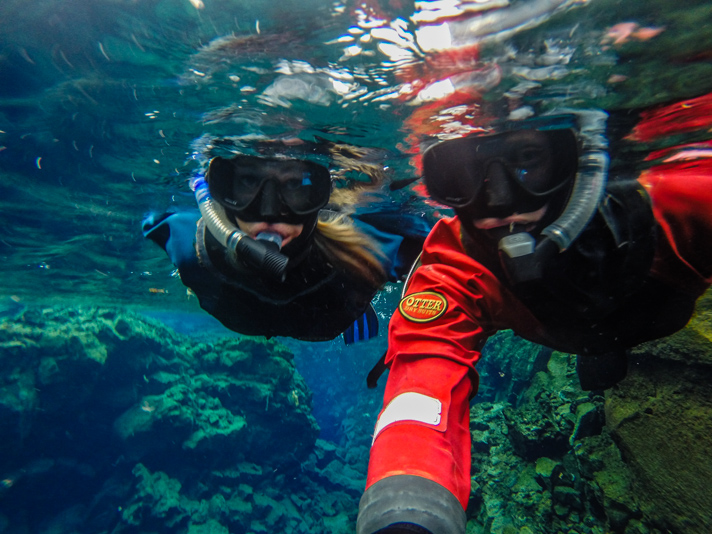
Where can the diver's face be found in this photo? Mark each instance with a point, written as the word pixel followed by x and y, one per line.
pixel 513 174
pixel 288 232
pixel 501 183
pixel 501 180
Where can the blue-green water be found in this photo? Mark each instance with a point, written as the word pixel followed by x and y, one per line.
pixel 101 105
pixel 105 106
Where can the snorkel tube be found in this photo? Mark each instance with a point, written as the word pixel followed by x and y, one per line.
pixel 264 256
pixel 521 256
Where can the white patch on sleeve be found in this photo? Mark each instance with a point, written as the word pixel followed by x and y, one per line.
pixel 410 406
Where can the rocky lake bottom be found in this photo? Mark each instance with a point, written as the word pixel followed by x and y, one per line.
pixel 112 422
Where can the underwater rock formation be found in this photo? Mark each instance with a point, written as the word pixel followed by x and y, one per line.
pixel 551 458
pixel 661 417
pixel 112 422
pixel 531 471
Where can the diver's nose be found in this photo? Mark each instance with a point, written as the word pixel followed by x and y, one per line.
pixel 498 188
pixel 270 203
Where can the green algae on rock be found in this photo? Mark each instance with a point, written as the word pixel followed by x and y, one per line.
pixel 638 462
pixel 107 410
pixel 661 418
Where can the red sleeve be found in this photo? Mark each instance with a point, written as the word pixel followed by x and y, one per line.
pixel 452 304
pixel 681 193
pixel 680 186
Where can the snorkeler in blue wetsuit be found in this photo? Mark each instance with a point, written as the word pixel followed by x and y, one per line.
pixel 266 258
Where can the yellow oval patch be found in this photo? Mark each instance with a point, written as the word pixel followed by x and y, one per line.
pixel 423 307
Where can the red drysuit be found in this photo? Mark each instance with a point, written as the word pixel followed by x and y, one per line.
pixel 453 304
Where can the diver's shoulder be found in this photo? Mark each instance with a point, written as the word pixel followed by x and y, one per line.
pixel 445 233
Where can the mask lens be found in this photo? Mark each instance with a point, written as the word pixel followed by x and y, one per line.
pixel 530 166
pixel 307 189
pixel 303 187
pixel 451 172
pixel 246 185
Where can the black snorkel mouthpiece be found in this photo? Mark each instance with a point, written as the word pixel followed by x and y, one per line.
pixel 521 256
pixel 262 254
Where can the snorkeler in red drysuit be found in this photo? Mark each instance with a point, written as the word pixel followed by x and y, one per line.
pixel 546 244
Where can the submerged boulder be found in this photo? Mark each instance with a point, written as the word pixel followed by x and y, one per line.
pixel 661 418
pixel 528 478
pixel 552 458
pixel 107 406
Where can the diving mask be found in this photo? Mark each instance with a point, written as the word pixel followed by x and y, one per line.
pixel 533 163
pixel 269 189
